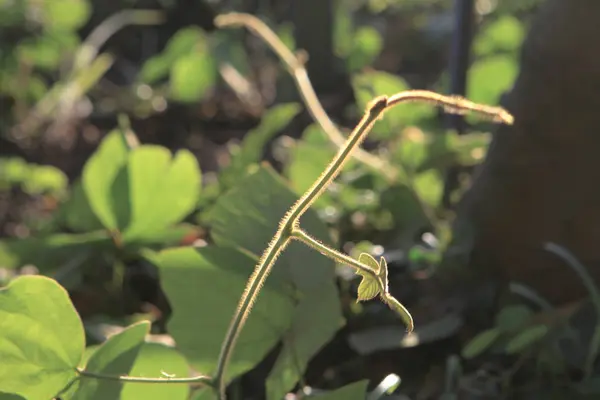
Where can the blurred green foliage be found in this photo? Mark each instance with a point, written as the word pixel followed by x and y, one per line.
pixel 145 202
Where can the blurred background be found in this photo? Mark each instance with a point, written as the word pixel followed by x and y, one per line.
pixel 74 71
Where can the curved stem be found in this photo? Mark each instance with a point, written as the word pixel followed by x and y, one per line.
pixel 201 379
pixel 290 223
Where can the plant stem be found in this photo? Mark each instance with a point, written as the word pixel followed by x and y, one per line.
pixel 201 379
pixel 290 223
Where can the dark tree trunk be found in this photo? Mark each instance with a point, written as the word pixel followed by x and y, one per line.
pixel 541 179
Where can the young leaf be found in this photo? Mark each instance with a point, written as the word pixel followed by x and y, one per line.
pixel 512 318
pixel 41 338
pixel 480 343
pixel 368 287
pixel 353 391
pixel 114 357
pixel 192 76
pixel 526 338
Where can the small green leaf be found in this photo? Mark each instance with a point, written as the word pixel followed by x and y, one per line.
pixel 353 391
pixel 65 14
pixel 402 311
pixel 490 77
pixel 480 343
pixel 180 45
pixel 192 76
pixel 41 338
pixel 526 338
pixel 368 287
pixel 505 34
pixel 366 46
pixel 510 319
pixel 114 357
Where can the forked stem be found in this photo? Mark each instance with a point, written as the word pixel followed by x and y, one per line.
pixel 289 226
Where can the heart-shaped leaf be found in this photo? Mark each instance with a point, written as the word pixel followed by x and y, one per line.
pixel 368 287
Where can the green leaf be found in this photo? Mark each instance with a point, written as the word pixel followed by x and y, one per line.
pixel 353 391
pixel 526 338
pixel 99 173
pixel 248 216
pixel 191 76
pixel 41 338
pixel 368 287
pixel 366 46
pixel 490 77
pixel 161 190
pixel 204 286
pixel 114 357
pixel 180 45
pixel 510 319
pixel 65 14
pixel 143 191
pixel 505 34
pixel 481 343
pixel 251 149
pixel 77 213
pixel 371 84
pixel 429 186
pixel 157 360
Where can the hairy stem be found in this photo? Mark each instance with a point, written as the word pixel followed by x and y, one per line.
pixel 200 380
pixel 290 223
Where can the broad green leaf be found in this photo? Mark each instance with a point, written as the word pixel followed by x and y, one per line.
pixel 251 148
pixel 368 287
pixel 180 45
pixel 480 343
pixel 143 191
pixel 191 76
pixel 512 318
pixel 490 77
pixel 204 286
pixel 160 361
pixel 161 189
pixel 99 174
pixel 526 338
pixel 369 85
pixel 114 357
pixel 41 338
pixel 204 394
pixel 48 253
pixel 505 34
pixel 65 14
pixel 353 391
pixel 248 216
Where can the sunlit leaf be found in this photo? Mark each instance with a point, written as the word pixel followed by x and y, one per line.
pixel 41 338
pixel 192 76
pixel 368 287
